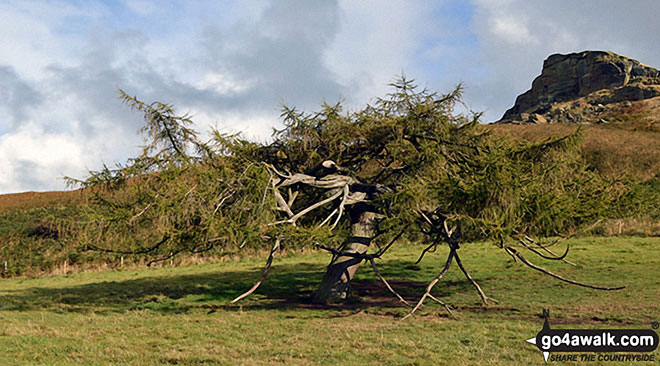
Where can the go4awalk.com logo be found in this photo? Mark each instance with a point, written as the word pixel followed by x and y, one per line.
pixel 596 344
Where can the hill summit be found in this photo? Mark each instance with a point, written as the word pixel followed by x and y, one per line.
pixel 588 86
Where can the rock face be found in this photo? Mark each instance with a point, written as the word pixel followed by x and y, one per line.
pixel 584 74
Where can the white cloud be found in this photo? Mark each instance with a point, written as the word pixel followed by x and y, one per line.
pixel 512 30
pixel 376 42
pixel 224 84
pixel 31 157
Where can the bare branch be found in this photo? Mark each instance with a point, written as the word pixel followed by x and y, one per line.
pixel 163 258
pixel 546 247
pixel 292 197
pixel 341 206
pixel 327 219
pixel 190 191
pixel 132 219
pixel 437 278
pixel 431 248
pixel 554 258
pixel 484 298
pixel 373 265
pixel 256 285
pixel 541 269
pixel 225 196
pixel 282 205
pixel 382 250
pixel 295 217
pixel 443 304
pixel 509 252
pixel 327 182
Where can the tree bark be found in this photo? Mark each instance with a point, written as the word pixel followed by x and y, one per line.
pixel 336 284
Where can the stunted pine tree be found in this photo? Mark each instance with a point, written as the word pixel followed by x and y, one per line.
pixel 407 166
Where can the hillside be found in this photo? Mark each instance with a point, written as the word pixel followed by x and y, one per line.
pixel 32 200
pixel 615 151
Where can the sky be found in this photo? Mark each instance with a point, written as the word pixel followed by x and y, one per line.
pixel 233 64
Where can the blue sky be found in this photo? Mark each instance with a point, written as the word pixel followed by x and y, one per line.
pixel 231 64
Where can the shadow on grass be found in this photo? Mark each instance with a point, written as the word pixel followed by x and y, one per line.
pixel 288 286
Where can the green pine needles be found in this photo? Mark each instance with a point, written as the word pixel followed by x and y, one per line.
pixel 423 170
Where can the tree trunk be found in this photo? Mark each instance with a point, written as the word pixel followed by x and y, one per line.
pixel 336 284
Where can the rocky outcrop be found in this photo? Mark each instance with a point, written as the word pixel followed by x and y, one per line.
pixel 583 75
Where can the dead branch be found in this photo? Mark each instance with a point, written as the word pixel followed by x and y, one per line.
pixel 341 206
pixel 282 204
pixel 509 252
pixel 437 278
pixel 373 265
pixel 545 248
pixel 295 217
pixel 163 258
pixel 543 270
pixel 382 250
pixel 327 219
pixel 430 249
pixel 554 258
pixel 256 285
pixel 484 298
pixel 132 219
pixel 443 304
pixel 327 182
pixel 225 196
pixel 190 191
pixel 292 197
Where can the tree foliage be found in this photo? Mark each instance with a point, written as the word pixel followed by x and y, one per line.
pixel 427 171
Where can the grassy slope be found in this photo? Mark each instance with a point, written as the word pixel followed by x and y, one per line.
pixel 611 149
pixel 27 239
pixel 616 150
pixel 180 315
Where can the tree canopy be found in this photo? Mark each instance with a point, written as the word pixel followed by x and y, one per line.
pixel 407 166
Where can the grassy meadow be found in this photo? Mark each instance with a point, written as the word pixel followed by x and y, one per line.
pixel 181 316
pixel 60 305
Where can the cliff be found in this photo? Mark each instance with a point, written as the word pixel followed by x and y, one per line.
pixel 581 87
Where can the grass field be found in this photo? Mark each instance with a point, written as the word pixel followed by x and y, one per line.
pixel 181 315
